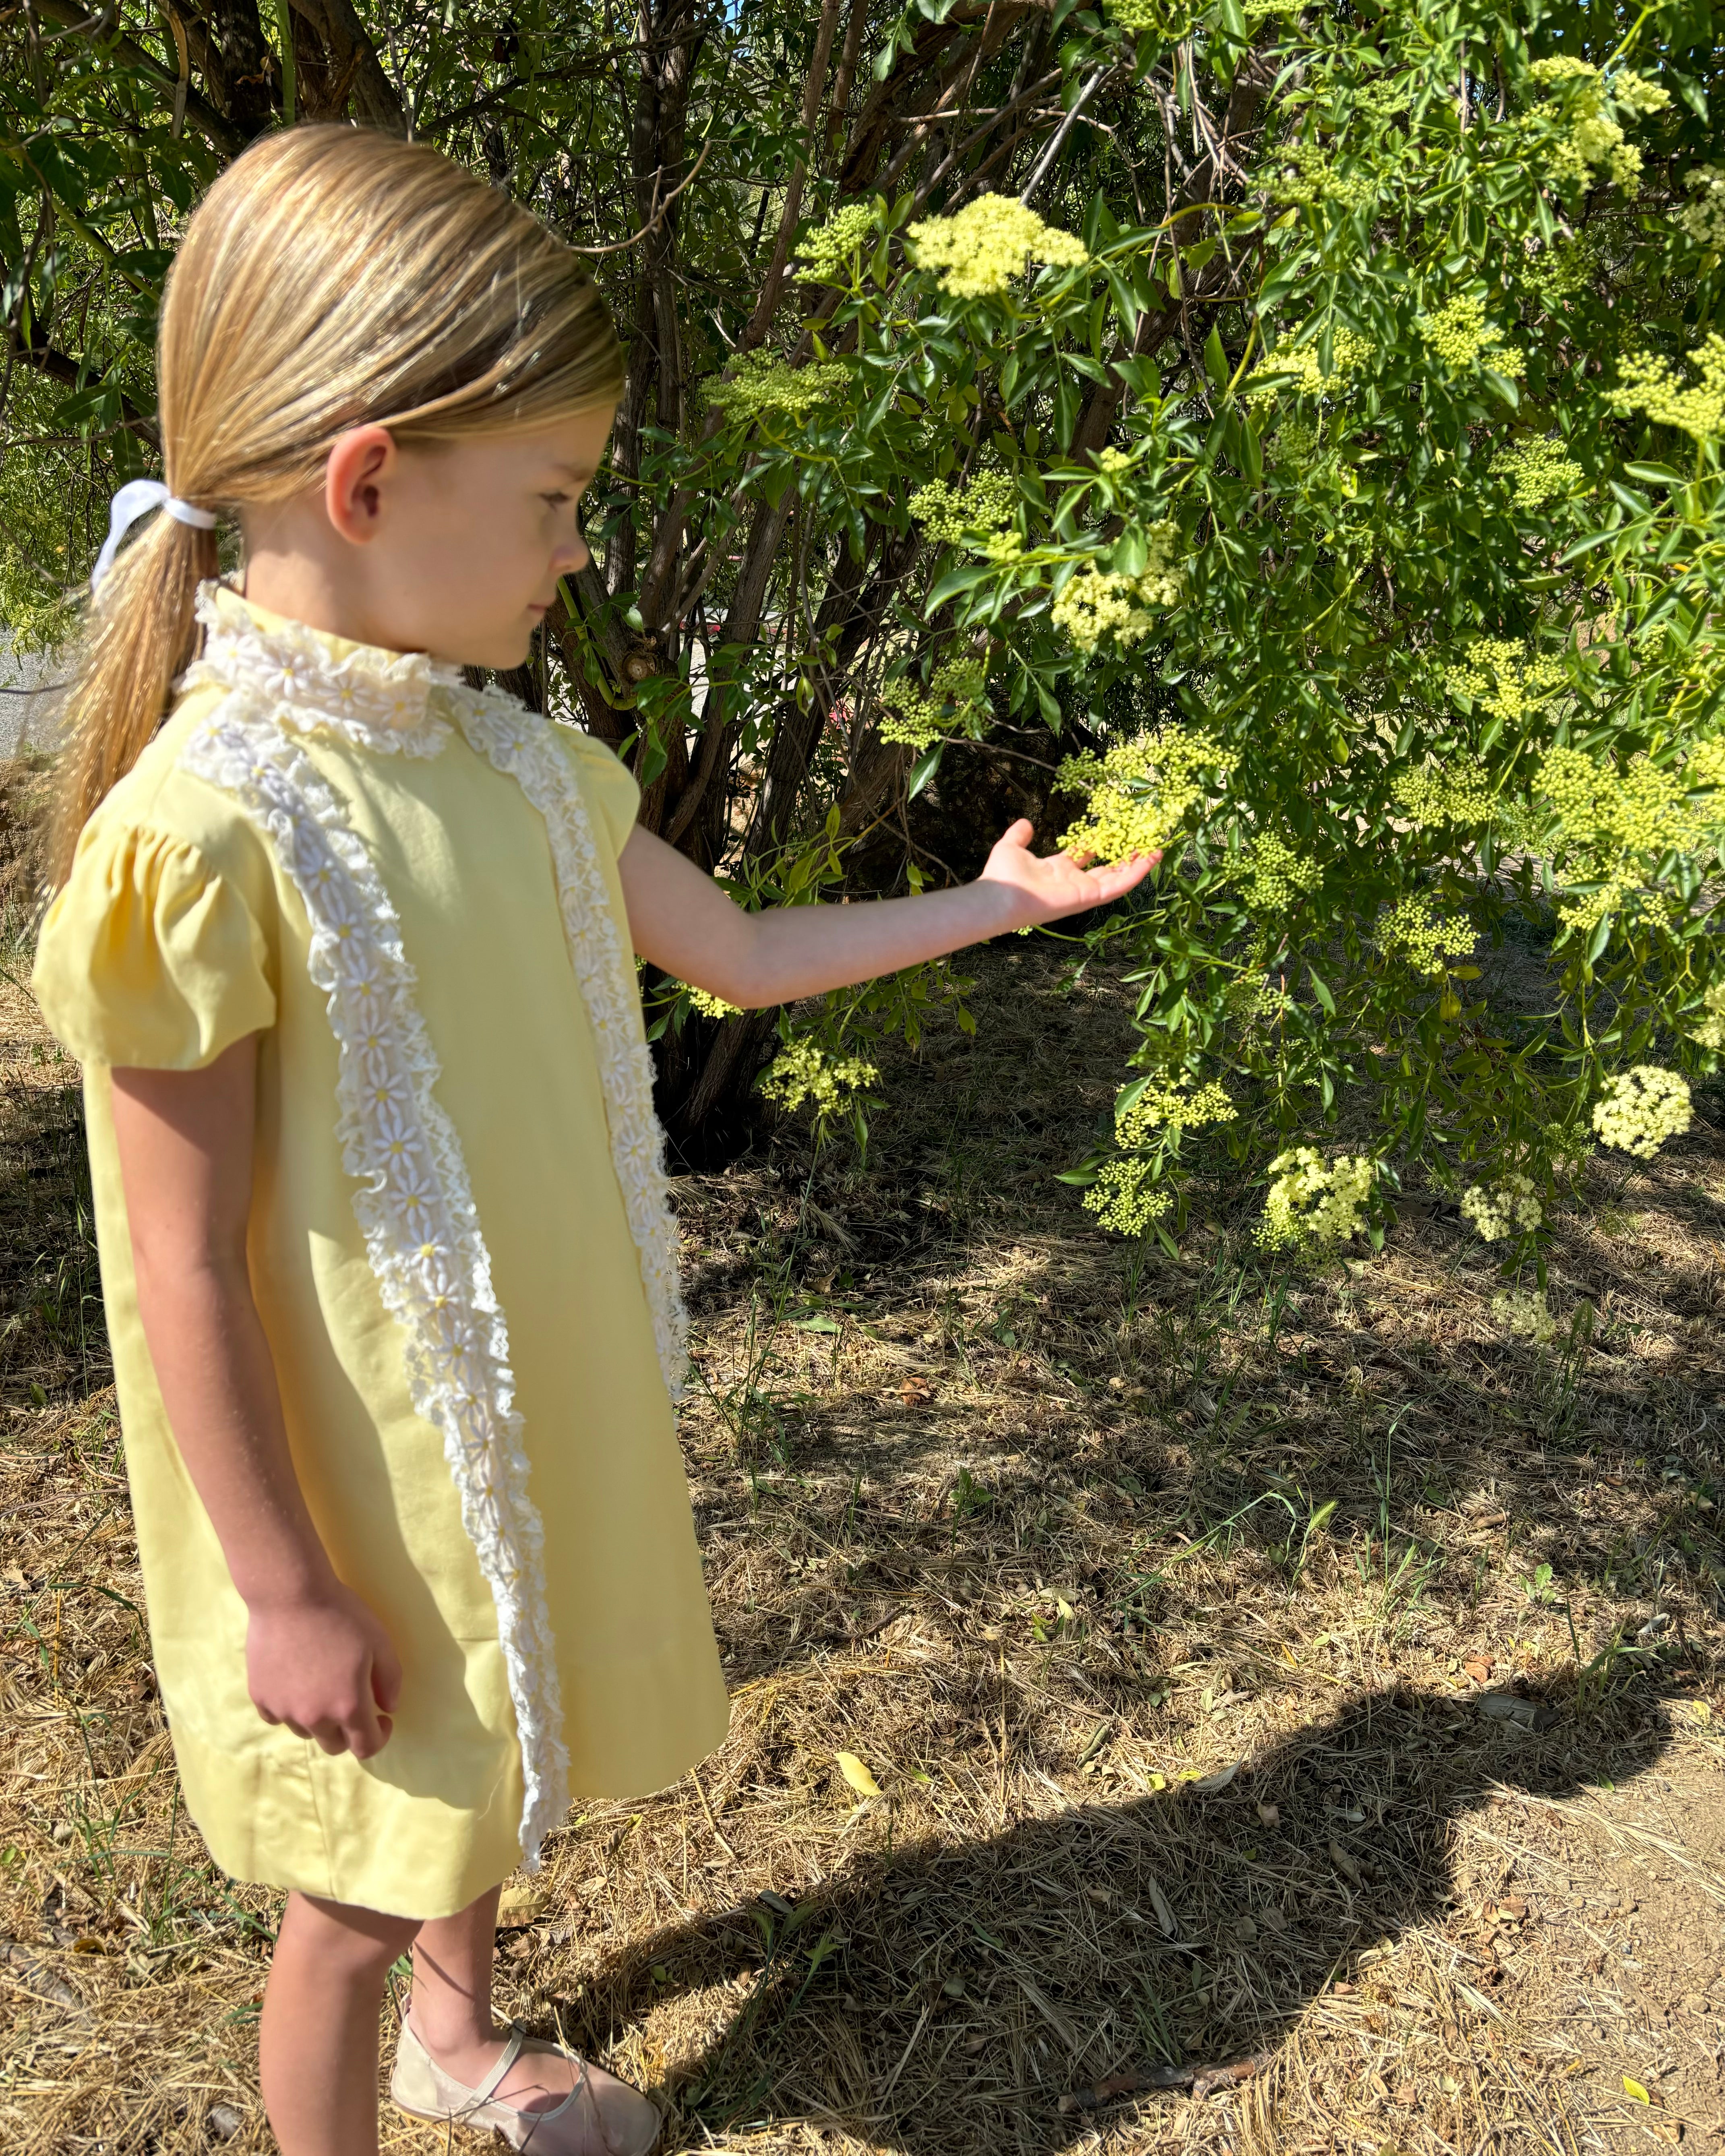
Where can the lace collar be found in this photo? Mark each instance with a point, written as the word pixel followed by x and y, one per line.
pixel 315 683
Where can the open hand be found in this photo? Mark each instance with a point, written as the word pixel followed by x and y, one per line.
pixel 324 1666
pixel 1036 887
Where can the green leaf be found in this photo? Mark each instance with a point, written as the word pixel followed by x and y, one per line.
pixel 923 770
pixel 1215 360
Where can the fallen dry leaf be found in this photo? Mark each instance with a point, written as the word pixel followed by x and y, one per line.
pixel 1268 1815
pixel 858 1775
pixel 1345 1865
pixel 1478 1667
pixel 518 1905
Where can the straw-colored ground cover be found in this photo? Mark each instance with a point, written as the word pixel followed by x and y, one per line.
pixel 1176 1767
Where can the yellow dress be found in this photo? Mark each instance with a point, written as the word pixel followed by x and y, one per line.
pixel 459 1242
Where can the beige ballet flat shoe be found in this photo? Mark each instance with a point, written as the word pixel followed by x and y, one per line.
pixel 600 2116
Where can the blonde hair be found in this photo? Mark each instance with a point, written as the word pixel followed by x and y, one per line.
pixel 332 278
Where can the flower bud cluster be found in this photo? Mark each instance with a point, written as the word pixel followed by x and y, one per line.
pixel 762 383
pixel 1310 175
pixel 1433 795
pixel 1179 1107
pixel 709 1005
pixel 918 719
pixel 1412 932
pixel 1509 1207
pixel 1596 137
pixel 1648 383
pixel 950 514
pixel 803 1070
pixel 1524 1316
pixel 1348 353
pixel 1314 1204
pixel 1640 1109
pixel 827 252
pixel 1461 337
pixel 1095 606
pixel 1506 680
pixel 1704 219
pixel 1539 469
pixel 1710 1031
pixel 990 241
pixel 1138 793
pixel 1278 877
pixel 1122 1197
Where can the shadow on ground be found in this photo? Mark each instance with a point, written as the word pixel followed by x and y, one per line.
pixel 1194 1940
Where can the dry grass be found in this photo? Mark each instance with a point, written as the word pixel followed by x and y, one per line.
pixel 1034 1525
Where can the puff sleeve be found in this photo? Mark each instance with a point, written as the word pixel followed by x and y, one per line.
pixel 608 784
pixel 150 957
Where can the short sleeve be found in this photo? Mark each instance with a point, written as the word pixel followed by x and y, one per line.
pixel 609 786
pixel 148 956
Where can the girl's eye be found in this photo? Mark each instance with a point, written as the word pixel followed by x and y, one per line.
pixel 555 500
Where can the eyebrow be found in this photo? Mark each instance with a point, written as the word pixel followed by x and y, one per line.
pixel 582 472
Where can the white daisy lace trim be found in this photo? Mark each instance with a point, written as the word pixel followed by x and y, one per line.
pixel 412 1199
pixel 516 741
pixel 373 699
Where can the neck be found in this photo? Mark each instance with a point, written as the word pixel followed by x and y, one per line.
pixel 305 583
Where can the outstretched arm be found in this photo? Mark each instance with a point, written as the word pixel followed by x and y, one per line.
pixel 681 920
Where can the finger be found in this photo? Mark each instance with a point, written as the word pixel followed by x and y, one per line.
pixel 386 1674
pixel 1018 834
pixel 330 1736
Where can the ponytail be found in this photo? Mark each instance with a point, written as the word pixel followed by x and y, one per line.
pixel 140 638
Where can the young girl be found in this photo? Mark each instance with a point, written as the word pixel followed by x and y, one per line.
pixel 344 946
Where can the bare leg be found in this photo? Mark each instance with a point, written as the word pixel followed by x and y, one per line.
pixel 451 2016
pixel 451 2011
pixel 318 2036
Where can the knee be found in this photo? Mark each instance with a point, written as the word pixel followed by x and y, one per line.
pixel 359 1944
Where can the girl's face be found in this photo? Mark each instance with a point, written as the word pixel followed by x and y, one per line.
pixel 455 548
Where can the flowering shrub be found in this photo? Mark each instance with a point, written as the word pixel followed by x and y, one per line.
pixel 1525 1315
pixel 1388 620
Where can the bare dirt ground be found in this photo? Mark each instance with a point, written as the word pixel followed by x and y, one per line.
pixel 1177 1769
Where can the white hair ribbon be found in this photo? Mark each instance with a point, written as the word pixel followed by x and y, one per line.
pixel 137 499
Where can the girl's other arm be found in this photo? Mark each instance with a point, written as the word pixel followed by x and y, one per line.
pixel 317 1657
pixel 682 922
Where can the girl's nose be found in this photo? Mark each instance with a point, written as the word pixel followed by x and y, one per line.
pixel 571 560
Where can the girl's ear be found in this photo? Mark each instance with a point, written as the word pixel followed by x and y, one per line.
pixel 360 465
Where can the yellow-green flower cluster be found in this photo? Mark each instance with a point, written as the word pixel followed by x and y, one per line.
pixel 989 243
pixel 762 383
pixel 1509 1207
pixel 1704 219
pixel 1122 1197
pixel 1348 353
pixel 827 252
pixel 1181 1106
pixel 1277 877
pixel 1505 679
pixel 920 718
pixel 1430 794
pixel 1114 460
pixel 1609 820
pixel 1710 1031
pixel 1524 1316
pixel 951 514
pixel 710 1006
pixel 1563 267
pixel 1411 931
pixel 1097 606
pixel 803 1070
pixel 1640 1109
pixel 1461 337
pixel 1649 384
pixel 1537 470
pixel 1138 793
pixel 1595 138
pixel 1311 176
pixel 1167 18
pixel 1312 1203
